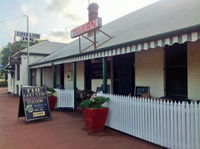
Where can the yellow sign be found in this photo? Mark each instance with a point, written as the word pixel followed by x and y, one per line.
pixel 36 114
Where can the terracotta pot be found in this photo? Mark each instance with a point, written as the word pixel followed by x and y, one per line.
pixel 52 102
pixel 95 118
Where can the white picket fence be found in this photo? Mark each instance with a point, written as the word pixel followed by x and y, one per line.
pixel 65 98
pixel 169 124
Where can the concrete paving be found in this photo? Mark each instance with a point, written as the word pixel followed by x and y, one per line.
pixel 65 131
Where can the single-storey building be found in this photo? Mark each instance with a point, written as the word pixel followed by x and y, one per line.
pixel 157 46
pixel 17 67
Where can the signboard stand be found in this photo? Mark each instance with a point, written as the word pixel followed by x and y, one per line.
pixel 33 104
pixel 21 107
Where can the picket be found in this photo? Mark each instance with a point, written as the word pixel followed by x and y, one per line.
pixel 166 123
pixel 65 98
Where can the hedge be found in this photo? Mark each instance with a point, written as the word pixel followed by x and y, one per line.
pixel 3 84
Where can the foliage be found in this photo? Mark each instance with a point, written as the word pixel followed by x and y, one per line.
pixel 3 83
pixel 51 91
pixel 7 51
pixel 94 102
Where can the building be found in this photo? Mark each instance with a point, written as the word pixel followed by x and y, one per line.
pixel 156 46
pixel 17 66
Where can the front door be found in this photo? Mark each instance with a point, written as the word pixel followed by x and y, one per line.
pixel 124 74
pixel 176 71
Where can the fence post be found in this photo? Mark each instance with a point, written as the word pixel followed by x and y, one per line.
pixel 74 84
pixel 104 63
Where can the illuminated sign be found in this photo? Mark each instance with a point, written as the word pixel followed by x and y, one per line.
pixel 85 28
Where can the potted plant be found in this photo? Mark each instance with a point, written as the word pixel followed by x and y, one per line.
pixel 94 113
pixel 52 98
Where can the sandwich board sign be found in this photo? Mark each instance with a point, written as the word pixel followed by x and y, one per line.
pixel 34 104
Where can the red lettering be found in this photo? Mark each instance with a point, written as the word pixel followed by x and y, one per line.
pixel 88 26
pixel 92 24
pixel 83 28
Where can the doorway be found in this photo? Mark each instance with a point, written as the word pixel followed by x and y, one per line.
pixel 124 74
pixel 176 71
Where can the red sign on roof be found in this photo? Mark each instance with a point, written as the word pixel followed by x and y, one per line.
pixel 85 28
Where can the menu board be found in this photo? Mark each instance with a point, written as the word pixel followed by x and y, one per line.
pixel 34 103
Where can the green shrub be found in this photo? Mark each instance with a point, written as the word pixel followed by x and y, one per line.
pixel 94 102
pixel 3 84
pixel 51 91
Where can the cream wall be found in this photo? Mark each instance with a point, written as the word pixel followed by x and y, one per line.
pixel 68 82
pixel 11 85
pixel 98 82
pixel 47 76
pixel 79 77
pixel 23 72
pixel 38 77
pixel 194 70
pixel 149 70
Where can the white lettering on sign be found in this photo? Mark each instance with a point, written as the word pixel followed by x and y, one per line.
pixel 85 28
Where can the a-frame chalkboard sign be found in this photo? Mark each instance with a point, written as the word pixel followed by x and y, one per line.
pixel 34 103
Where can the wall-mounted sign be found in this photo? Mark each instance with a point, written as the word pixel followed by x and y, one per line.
pixel 69 76
pixel 87 27
pixel 34 103
pixel 15 60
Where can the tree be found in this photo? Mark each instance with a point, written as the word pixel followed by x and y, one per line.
pixel 9 50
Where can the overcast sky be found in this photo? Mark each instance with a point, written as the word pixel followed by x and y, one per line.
pixel 54 19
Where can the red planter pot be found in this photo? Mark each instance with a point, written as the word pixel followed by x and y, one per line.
pixel 52 102
pixel 95 118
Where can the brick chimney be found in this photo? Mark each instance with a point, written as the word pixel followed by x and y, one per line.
pixel 92 14
pixel 92 11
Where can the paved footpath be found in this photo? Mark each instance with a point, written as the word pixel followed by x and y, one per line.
pixel 65 131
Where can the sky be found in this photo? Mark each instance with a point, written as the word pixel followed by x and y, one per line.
pixel 54 19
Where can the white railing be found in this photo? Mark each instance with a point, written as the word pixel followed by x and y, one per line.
pixel 65 98
pixel 169 124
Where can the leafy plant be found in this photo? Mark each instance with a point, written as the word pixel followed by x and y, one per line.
pixel 94 102
pixel 51 91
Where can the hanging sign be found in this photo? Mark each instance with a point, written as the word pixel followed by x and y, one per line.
pixel 34 103
pixel 87 27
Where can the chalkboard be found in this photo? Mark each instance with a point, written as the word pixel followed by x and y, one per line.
pixel 34 103
pixel 141 89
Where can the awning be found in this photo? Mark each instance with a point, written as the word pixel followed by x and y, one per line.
pixel 135 47
pixel 41 65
